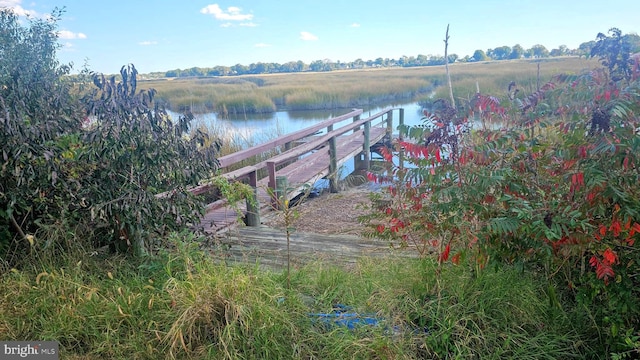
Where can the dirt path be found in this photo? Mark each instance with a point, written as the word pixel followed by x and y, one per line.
pixel 329 213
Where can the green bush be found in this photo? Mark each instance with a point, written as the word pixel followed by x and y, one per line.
pixel 90 166
pixel 39 123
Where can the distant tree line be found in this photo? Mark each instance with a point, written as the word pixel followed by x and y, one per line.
pixel 499 53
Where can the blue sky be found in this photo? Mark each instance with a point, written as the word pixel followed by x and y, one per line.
pixel 163 35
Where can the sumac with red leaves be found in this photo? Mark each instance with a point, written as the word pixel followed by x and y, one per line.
pixel 552 187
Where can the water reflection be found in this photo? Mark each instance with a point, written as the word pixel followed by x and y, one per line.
pixel 256 128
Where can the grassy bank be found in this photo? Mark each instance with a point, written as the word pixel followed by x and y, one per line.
pixel 180 304
pixel 352 88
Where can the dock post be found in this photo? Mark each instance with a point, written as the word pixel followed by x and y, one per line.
pixel 361 160
pixel 401 121
pixel 390 124
pixel 366 149
pixel 356 119
pixel 333 165
pixel 253 205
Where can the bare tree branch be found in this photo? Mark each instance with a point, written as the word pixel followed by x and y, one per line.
pixel 446 66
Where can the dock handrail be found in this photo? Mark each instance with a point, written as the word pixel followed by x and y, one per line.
pixel 238 156
pixel 303 149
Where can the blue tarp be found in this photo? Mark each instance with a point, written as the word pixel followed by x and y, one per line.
pixel 344 316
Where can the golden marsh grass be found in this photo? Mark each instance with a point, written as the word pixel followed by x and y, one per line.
pixel 349 88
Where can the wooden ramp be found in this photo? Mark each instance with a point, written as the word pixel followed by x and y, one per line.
pixel 267 247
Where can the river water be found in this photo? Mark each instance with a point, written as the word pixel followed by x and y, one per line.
pixel 253 129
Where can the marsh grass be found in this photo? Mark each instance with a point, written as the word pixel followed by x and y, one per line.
pixel 493 77
pixel 344 89
pixel 179 303
pixel 234 139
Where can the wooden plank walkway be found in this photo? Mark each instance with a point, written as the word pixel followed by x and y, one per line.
pixel 303 165
pixel 267 248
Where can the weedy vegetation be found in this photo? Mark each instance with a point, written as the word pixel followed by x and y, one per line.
pixel 524 210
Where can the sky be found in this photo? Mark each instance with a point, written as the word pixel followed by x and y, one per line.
pixel 161 35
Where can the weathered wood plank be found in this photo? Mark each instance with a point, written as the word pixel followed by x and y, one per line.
pixel 268 248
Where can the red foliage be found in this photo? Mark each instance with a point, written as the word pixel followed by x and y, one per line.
pixel 456 258
pixel 604 270
pixel 615 227
pixel 445 254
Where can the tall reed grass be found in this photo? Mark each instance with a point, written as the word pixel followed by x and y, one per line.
pixel 234 139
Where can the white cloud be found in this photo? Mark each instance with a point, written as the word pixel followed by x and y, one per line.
pixel 232 13
pixel 355 25
pixel 262 45
pixel 69 35
pixel 249 24
pixel 17 8
pixel 147 43
pixel 307 36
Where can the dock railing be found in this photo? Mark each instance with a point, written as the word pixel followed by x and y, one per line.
pixel 297 154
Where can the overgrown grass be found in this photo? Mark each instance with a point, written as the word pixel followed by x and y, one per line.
pixel 181 304
pixel 344 89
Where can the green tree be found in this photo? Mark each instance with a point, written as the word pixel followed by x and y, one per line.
pixel 479 55
pixel 258 68
pixel 539 51
pixel 517 52
pixel 585 48
pixel 614 52
pixel 173 73
pixel 634 42
pixel 501 53
pixel 560 51
pixel 239 69
pixel 38 121
pixel 316 65
pixel 422 60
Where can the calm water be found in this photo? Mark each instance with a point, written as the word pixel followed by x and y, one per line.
pixel 253 129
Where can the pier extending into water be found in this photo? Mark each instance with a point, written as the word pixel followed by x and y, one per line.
pixel 291 164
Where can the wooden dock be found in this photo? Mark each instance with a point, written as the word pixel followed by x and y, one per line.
pixel 298 160
pixel 267 248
